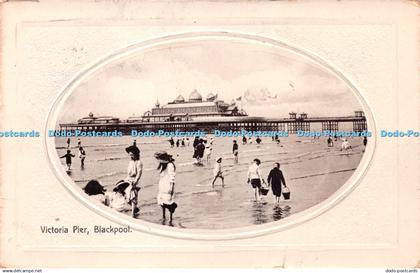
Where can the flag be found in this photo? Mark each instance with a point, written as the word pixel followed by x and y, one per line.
pixel 292 86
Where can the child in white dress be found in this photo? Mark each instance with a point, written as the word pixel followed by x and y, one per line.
pixel 207 151
pixel 166 193
pixel 134 172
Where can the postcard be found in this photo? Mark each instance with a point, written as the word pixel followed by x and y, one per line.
pixel 209 134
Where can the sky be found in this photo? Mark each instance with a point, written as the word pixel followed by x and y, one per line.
pixel 271 81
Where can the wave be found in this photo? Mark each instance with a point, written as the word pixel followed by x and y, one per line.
pixel 112 145
pixel 320 174
pixel 110 158
pixel 111 174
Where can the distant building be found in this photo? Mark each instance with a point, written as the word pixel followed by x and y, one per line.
pixel 212 114
pixel 292 115
pixel 303 115
pixel 91 119
pixel 193 109
pixel 359 114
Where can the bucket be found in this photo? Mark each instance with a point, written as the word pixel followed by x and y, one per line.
pixel 264 191
pixel 286 193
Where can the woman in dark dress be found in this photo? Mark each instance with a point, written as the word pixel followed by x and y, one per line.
pixel 200 152
pixel 276 179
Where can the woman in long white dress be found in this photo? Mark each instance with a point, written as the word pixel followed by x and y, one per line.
pixel 166 194
pixel 207 152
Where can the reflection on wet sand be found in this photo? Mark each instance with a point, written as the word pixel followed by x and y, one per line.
pixel 259 213
pixel 280 212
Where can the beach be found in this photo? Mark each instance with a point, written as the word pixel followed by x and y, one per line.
pixel 313 172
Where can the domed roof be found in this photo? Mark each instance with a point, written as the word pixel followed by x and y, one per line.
pixel 211 97
pixel 195 96
pixel 179 99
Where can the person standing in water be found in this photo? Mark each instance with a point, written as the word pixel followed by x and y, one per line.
pixel 68 143
pixel 68 157
pixel 276 180
pixel 196 141
pixel 172 142
pixel 207 151
pixel 330 142
pixel 365 141
pixel 200 152
pixel 79 143
pixel 166 193
pixel 217 172
pixel 82 156
pixel 134 172
pixel 255 177
pixel 345 145
pixel 243 140
pixel 235 151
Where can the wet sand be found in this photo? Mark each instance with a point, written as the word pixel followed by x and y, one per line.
pixel 313 172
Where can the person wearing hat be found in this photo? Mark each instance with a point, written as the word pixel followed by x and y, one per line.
pixel 96 191
pixel 217 172
pixel 199 154
pixel 134 171
pixel 118 200
pixel 165 197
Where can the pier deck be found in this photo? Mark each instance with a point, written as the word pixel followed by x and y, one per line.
pixel 291 125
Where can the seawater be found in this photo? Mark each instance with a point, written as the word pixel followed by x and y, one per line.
pixel 312 170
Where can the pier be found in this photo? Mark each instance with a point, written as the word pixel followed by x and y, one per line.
pixel 292 124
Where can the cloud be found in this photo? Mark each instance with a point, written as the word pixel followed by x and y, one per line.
pixel 275 82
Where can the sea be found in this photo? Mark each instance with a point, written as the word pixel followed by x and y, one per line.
pixel 313 172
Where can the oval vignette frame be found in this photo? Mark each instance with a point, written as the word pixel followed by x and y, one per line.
pixel 207 234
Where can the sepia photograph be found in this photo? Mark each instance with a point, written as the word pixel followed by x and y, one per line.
pixel 211 134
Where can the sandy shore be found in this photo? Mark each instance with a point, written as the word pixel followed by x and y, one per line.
pixel 312 171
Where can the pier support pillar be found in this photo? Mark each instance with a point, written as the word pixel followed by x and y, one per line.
pixel 359 125
pixel 293 127
pixel 330 126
